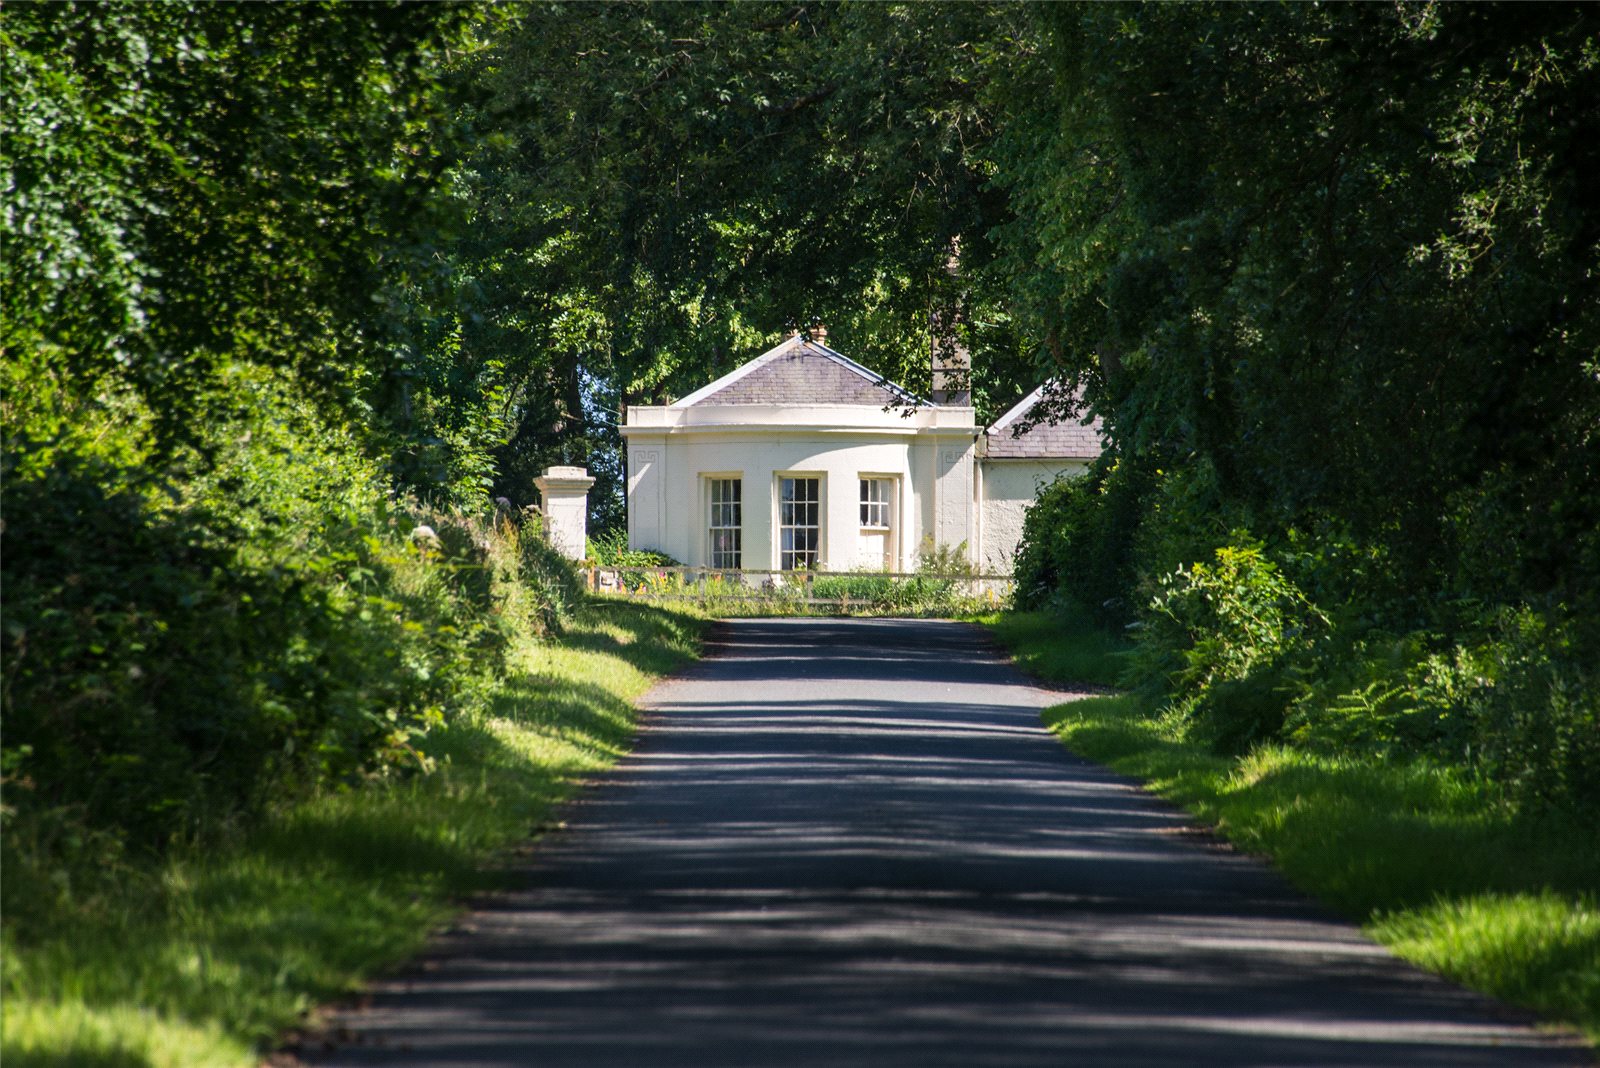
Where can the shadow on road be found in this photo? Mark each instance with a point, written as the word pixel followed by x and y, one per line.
pixel 851 843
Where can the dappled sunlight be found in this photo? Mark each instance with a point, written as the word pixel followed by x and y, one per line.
pixel 122 1034
pixel 1500 900
pixel 900 976
pixel 800 866
pixel 238 942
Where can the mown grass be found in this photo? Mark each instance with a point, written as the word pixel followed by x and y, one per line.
pixel 1425 857
pixel 206 957
pixel 1066 648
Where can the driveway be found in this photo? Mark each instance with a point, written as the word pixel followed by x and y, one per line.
pixel 850 842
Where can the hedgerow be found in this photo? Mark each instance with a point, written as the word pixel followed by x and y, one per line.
pixel 186 647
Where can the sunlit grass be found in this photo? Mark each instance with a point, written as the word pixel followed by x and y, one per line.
pixel 1063 647
pixel 208 957
pixel 1533 947
pixel 67 1031
pixel 1426 857
pixel 1421 855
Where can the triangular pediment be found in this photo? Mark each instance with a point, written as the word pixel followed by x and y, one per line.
pixel 801 372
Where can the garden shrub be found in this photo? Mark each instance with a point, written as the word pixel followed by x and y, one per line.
pixel 943 561
pixel 880 593
pixel 940 586
pixel 610 549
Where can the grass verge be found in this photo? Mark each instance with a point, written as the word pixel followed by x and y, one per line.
pixel 1425 857
pixel 1062 647
pixel 207 957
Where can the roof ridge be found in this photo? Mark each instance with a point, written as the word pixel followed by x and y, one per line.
pixel 737 373
pixel 1026 404
pixel 1047 437
pixel 793 343
pixel 881 381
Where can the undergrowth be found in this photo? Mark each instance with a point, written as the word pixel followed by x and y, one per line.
pixel 206 954
pixel 943 585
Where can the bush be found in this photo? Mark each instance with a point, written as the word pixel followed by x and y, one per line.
pixel 611 550
pixel 1535 715
pixel 1221 638
pixel 151 679
pixel 543 576
pixel 179 655
pixel 1078 542
pixel 941 585
pixel 1381 695
pixel 920 594
pixel 867 587
pixel 1516 704
pixel 943 561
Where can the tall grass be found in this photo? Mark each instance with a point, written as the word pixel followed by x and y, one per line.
pixel 204 957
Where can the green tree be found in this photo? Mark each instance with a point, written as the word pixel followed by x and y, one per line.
pixel 1342 257
pixel 667 187
pixel 192 184
pixel 217 221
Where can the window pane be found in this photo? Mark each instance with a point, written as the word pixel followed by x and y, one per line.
pixel 876 495
pixel 799 515
pixel 725 521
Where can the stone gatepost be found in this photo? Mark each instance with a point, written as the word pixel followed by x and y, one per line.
pixel 565 493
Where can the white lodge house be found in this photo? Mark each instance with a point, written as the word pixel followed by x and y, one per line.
pixel 804 458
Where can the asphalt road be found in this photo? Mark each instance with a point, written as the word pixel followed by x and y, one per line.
pixel 849 843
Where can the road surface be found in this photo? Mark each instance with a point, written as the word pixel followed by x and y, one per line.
pixel 851 843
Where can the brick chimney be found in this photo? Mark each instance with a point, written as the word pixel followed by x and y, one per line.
pixel 952 363
pixel 952 370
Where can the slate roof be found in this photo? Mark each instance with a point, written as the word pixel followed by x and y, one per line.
pixel 801 372
pixel 1046 440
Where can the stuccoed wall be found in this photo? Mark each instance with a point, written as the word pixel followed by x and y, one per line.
pixel 1009 488
pixel 669 502
pixel 670 461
